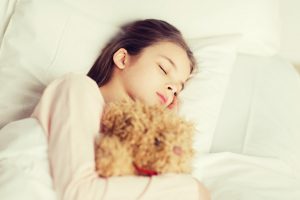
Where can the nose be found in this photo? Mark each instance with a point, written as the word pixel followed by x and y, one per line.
pixel 173 89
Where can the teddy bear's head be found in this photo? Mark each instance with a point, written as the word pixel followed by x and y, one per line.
pixel 157 140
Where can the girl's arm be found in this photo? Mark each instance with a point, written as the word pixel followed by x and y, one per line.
pixel 69 112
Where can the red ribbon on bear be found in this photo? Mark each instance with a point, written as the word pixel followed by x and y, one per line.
pixel 144 172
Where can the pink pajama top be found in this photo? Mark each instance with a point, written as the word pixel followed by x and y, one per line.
pixel 70 111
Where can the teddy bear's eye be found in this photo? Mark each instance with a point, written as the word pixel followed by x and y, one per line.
pixel 156 142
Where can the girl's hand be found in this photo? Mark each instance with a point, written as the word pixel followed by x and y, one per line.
pixel 174 105
pixel 203 191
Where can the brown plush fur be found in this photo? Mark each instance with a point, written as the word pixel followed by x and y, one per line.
pixel 147 136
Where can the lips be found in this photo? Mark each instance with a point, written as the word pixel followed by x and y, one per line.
pixel 162 97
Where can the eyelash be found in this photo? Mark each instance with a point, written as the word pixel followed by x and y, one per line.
pixel 162 69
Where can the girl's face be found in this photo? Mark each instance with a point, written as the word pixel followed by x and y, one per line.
pixel 155 76
pixel 158 74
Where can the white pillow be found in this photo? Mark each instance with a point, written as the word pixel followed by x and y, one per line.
pixel 44 40
pixel 203 97
pixel 47 38
pixel 257 20
pixel 260 112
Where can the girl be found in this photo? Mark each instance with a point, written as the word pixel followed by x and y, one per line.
pixel 147 60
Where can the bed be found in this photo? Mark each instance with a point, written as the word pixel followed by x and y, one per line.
pixel 245 94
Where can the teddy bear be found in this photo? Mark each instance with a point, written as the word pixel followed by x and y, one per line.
pixel 145 140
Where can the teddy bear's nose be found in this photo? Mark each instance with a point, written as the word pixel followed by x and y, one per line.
pixel 177 150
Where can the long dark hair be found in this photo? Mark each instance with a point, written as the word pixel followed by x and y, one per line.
pixel 134 37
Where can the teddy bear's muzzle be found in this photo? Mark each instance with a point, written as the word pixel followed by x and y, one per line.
pixel 177 150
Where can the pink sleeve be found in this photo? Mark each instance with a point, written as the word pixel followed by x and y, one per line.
pixel 69 112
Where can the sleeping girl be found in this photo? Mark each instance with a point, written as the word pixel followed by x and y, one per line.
pixel 148 60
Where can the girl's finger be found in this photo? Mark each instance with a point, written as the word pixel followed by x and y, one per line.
pixel 174 105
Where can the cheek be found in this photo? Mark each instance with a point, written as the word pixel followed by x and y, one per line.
pixel 139 88
pixel 144 78
pixel 143 83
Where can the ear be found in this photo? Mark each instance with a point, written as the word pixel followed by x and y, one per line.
pixel 120 58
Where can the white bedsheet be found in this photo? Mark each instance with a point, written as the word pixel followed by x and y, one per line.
pixel 232 176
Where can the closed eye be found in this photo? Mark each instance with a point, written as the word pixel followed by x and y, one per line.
pixel 162 69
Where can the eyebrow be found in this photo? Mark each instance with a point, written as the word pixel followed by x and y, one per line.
pixel 174 66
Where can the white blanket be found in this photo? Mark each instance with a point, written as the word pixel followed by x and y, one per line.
pixel 24 168
pixel 25 174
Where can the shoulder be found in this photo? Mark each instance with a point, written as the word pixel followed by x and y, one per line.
pixel 76 84
pixel 73 78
